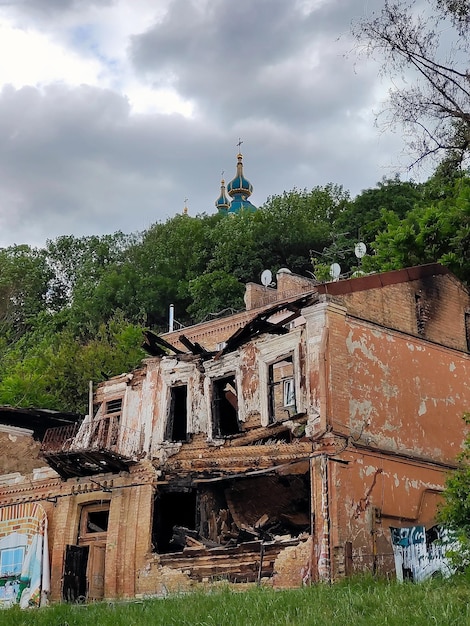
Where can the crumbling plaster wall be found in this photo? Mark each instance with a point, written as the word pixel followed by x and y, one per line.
pixel 317 377
pixel 397 392
pixel 20 452
pixel 250 366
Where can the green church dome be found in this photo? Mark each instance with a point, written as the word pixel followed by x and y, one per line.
pixel 240 189
pixel 222 203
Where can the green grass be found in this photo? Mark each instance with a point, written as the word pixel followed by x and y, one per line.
pixel 348 603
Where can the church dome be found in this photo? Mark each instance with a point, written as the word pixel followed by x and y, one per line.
pixel 222 203
pixel 240 184
pixel 240 189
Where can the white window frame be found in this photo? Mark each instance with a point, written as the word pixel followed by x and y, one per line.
pixel 288 392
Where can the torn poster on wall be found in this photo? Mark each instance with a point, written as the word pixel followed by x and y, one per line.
pixel 24 558
pixel 420 554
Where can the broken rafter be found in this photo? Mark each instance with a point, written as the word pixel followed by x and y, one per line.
pixel 253 329
pixel 195 347
pixel 261 324
pixel 157 346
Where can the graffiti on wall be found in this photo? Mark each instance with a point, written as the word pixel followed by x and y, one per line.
pixel 24 559
pixel 420 554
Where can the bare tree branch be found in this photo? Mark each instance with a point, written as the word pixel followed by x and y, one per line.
pixel 415 47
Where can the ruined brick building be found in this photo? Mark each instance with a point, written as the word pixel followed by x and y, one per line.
pixel 277 445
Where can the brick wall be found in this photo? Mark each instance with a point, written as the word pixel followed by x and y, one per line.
pixel 439 300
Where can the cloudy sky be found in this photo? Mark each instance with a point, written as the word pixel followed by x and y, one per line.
pixel 112 112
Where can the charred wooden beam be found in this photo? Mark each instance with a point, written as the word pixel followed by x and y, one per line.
pixel 253 329
pixel 265 432
pixel 195 347
pixel 157 346
pixel 261 324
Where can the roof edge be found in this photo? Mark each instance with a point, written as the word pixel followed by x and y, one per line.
pixel 383 279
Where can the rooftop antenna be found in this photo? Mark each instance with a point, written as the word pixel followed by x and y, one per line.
pixel 266 278
pixel 335 271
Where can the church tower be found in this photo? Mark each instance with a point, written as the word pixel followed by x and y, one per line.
pixel 222 203
pixel 240 189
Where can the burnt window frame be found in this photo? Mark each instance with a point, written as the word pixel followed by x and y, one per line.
pixel 172 434
pixel 107 421
pixel 216 400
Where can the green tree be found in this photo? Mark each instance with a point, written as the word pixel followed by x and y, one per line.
pixel 435 232
pixel 24 281
pixel 364 218
pixel 282 233
pixel 214 292
pixel 51 369
pixel 454 513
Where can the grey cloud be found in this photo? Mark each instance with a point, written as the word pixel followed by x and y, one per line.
pixel 75 160
pixel 78 160
pixel 50 9
pixel 252 60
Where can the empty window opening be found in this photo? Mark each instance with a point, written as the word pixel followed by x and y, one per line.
pixel 177 425
pixel 94 520
pixel 282 401
pixel 225 407
pixel 467 329
pixel 97 521
pixel 172 511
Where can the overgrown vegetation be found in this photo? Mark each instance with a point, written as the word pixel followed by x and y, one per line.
pixel 74 311
pixel 358 602
pixel 454 513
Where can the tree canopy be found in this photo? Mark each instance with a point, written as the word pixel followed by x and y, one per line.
pixel 74 311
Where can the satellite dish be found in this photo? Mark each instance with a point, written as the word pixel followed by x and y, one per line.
pixel 266 278
pixel 360 249
pixel 335 271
